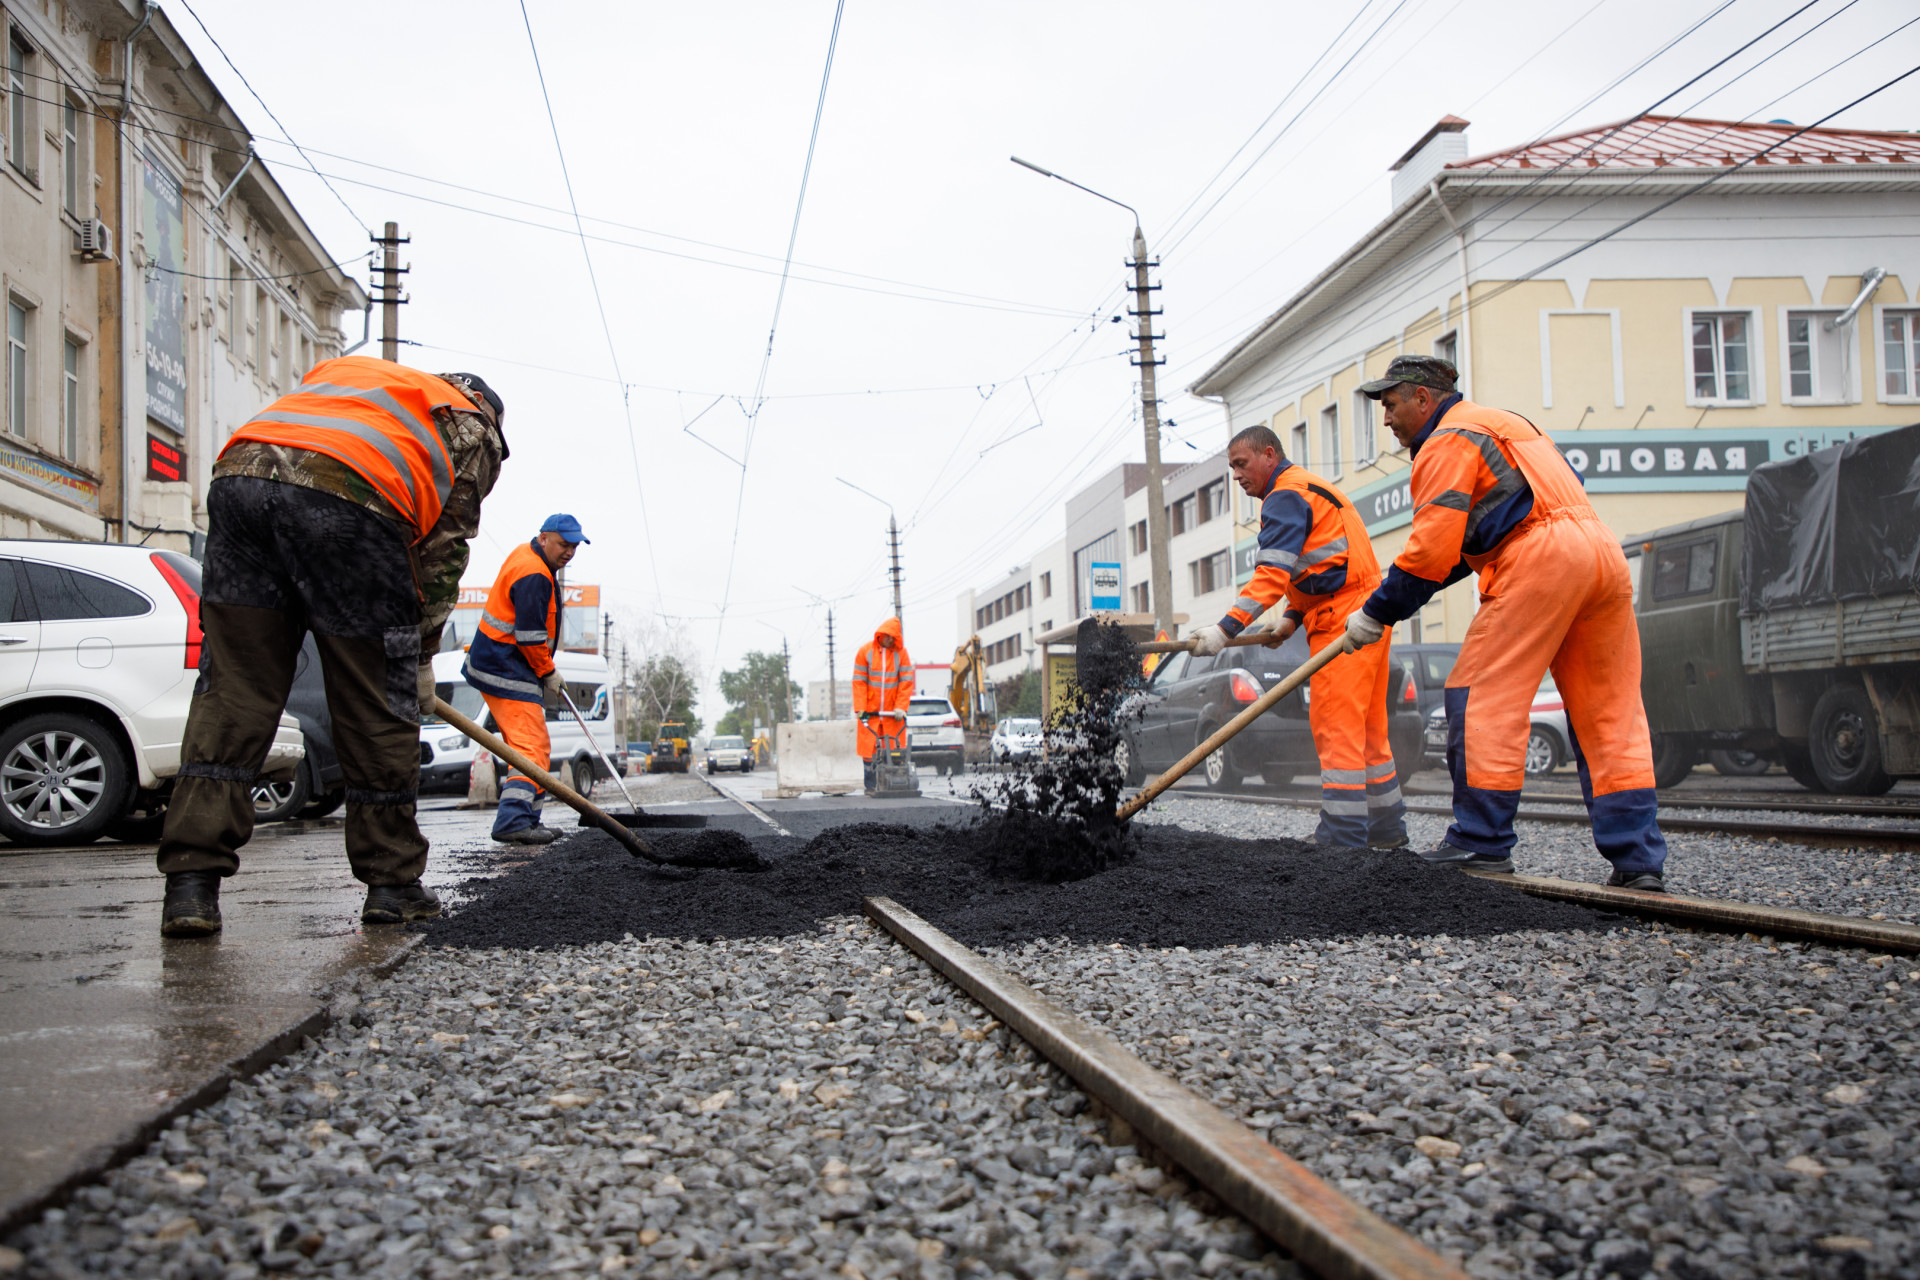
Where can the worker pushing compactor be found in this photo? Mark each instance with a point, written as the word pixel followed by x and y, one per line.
pixel 1492 495
pixel 882 687
pixel 344 508
pixel 511 663
pixel 1314 551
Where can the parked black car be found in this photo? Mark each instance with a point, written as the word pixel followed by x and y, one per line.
pixel 1189 697
pixel 318 787
pixel 1427 667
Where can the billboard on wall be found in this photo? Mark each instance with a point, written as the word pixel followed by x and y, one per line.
pixel 166 332
pixel 579 616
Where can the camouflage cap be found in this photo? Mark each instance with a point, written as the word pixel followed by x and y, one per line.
pixel 1421 371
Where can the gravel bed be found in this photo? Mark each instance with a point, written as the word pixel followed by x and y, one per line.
pixel 820 1105
pixel 1860 882
pixel 1545 1104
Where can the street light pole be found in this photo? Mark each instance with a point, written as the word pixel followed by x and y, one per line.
pixel 1161 569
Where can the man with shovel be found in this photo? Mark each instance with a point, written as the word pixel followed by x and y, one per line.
pixel 1314 552
pixel 343 508
pixel 511 663
pixel 1492 495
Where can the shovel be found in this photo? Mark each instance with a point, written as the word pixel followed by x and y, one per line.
pixel 592 813
pixel 635 816
pixel 1258 708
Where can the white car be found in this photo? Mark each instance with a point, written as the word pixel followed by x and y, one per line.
pixel 1548 742
pixel 935 735
pixel 446 755
pixel 1015 738
pixel 729 752
pixel 99 651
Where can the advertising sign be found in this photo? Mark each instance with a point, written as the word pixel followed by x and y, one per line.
pixel 1104 581
pixel 166 296
pixel 579 616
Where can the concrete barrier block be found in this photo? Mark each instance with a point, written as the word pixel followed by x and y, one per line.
pixel 818 755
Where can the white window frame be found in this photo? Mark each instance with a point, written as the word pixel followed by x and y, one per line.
pixel 1756 358
pixel 1447 347
pixel 72 388
pixel 19 372
pixel 1330 440
pixel 1849 358
pixel 1619 362
pixel 1366 439
pixel 22 126
pixel 1881 394
pixel 73 160
pixel 1298 445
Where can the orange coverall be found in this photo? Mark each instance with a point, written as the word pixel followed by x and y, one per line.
pixel 1492 495
pixel 882 685
pixel 1314 551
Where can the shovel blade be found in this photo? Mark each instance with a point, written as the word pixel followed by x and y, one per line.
pixel 643 821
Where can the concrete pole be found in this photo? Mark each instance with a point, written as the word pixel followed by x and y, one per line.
pixel 833 693
pixel 390 293
pixel 1161 569
pixel 893 550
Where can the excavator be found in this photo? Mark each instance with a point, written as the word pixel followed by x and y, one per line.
pixel 972 697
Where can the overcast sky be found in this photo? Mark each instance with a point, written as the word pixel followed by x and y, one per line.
pixel 941 299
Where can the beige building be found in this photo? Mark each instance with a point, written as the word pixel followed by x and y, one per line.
pixel 160 286
pixel 1674 300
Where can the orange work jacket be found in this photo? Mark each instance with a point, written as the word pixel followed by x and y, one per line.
pixel 498 616
pixel 883 684
pixel 377 418
pixel 1335 557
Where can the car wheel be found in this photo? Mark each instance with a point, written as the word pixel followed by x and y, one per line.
pixel 1844 740
pixel 1673 760
pixel 278 801
pixel 1738 764
pixel 1218 767
pixel 1128 762
pixel 1798 762
pixel 142 821
pixel 325 803
pixel 1543 753
pixel 582 776
pixel 63 780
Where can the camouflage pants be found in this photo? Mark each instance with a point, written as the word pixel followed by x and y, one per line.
pixel 282 560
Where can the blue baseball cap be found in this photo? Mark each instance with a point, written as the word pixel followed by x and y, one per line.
pixel 566 526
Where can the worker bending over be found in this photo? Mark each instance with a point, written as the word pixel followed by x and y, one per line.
pixel 511 663
pixel 344 508
pixel 882 688
pixel 1314 552
pixel 1492 495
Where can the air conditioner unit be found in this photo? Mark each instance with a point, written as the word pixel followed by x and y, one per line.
pixel 96 241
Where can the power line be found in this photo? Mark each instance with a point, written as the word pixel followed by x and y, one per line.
pixel 613 353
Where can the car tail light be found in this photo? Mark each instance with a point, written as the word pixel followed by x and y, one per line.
pixel 1407 693
pixel 190 601
pixel 951 722
pixel 1243 688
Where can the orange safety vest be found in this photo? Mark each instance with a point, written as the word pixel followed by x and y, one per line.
pixel 377 418
pixel 883 683
pixel 1511 448
pixel 1336 537
pixel 497 616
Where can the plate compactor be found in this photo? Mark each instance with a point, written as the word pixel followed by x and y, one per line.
pixel 891 770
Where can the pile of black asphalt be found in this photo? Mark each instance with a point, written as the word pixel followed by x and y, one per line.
pixel 1177 888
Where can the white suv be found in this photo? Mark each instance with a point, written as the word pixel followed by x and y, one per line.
pixel 99 650
pixel 935 735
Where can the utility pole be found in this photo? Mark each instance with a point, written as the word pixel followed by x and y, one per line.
pixel 833 692
pixel 389 286
pixel 1144 311
pixel 786 682
pixel 893 552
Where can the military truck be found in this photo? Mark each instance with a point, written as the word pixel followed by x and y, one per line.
pixel 1791 628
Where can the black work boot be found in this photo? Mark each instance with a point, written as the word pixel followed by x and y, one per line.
pixel 1645 881
pixel 399 903
pixel 535 834
pixel 192 905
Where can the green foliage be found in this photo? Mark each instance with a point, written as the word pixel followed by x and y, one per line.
pixel 664 691
pixel 1019 695
pixel 730 724
pixel 758 690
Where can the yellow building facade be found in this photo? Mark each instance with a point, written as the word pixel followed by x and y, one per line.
pixel 1674 301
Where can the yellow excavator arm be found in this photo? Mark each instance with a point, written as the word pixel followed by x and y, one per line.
pixel 968 692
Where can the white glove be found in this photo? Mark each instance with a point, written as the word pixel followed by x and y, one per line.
pixel 551 684
pixel 1208 641
pixel 424 686
pixel 1362 629
pixel 1279 632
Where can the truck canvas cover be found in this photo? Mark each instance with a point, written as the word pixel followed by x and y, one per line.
pixel 1838 524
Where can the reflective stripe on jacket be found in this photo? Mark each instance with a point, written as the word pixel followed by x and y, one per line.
pixel 377 418
pixel 519 628
pixel 1313 545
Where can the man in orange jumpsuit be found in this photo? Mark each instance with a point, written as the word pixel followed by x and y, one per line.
pixel 1492 495
pixel 1314 551
pixel 882 687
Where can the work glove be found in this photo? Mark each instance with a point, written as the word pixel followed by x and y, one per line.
pixel 1208 641
pixel 551 684
pixel 1279 632
pixel 1363 630
pixel 424 686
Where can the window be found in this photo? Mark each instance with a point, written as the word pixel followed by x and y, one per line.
pixel 72 172
pixel 1046 587
pixel 1363 445
pixel 1211 573
pixel 61 594
pixel 70 402
pixel 1297 444
pixel 236 308
pixel 1816 357
pixel 1138 534
pixel 1722 363
pixel 16 369
pixel 1173 668
pixel 1330 440
pixel 1900 359
pixel 1249 507
pixel 1447 347
pixel 1142 602
pixel 261 336
pixel 1684 568
pixel 19 111
pixel 1180 516
pixel 1213 500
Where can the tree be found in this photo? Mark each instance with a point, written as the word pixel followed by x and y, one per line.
pixel 665 681
pixel 759 690
pixel 1019 695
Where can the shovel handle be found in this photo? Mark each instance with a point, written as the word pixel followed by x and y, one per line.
pixel 562 792
pixel 1220 736
pixel 1186 646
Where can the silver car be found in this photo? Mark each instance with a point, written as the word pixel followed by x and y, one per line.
pixel 729 753
pixel 1014 739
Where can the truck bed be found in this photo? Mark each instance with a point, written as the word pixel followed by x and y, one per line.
pixel 1849 633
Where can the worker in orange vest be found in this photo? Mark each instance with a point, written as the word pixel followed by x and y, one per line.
pixel 882 687
pixel 1493 495
pixel 1314 553
pixel 511 663
pixel 344 509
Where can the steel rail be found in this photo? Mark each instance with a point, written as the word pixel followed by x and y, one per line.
pixel 1683 800
pixel 1781 922
pixel 1323 1228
